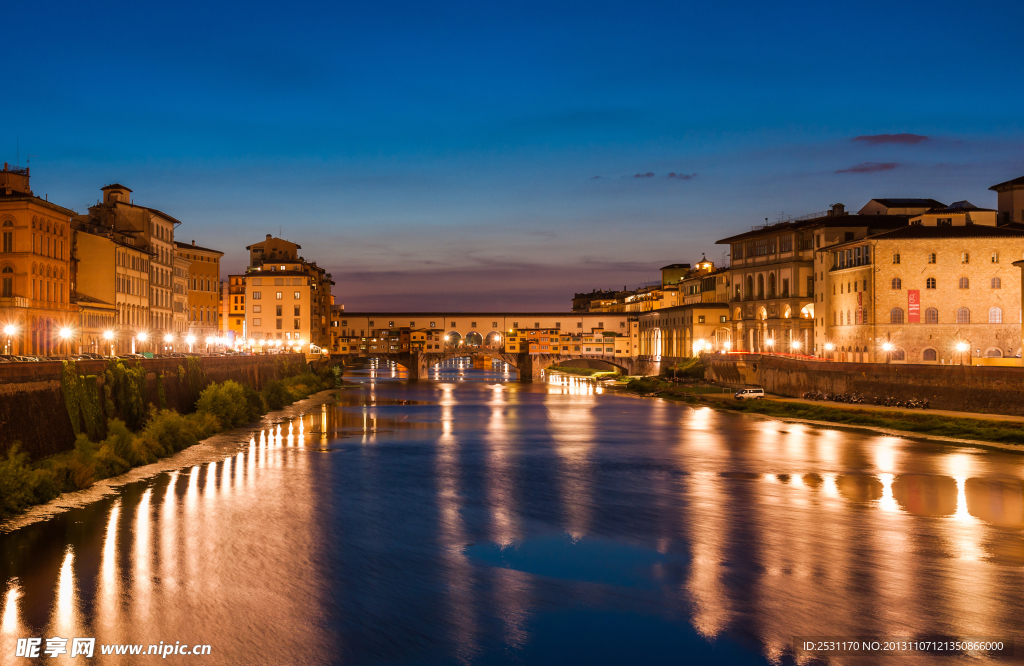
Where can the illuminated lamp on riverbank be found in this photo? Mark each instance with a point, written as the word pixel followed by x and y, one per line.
pixel 109 337
pixel 727 345
pixel 769 343
pixel 795 345
pixel 65 334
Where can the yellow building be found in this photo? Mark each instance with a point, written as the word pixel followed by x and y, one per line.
pixel 179 305
pixel 278 305
pixel 111 270
pixel 203 282
pixel 686 330
pixel 35 268
pixel 233 323
pixel 276 255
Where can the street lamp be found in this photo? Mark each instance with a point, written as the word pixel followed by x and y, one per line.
pixel 191 341
pixel 727 345
pixel 109 337
pixel 65 333
pixel 887 348
pixel 961 348
pixel 9 331
pixel 795 345
pixel 770 342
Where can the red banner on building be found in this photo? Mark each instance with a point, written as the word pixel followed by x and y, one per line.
pixel 913 306
pixel 860 307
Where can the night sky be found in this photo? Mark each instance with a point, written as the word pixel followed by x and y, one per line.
pixel 485 155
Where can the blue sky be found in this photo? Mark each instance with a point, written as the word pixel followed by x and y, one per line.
pixel 469 156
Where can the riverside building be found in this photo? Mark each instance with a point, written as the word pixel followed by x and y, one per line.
pixel 35 269
pixel 202 311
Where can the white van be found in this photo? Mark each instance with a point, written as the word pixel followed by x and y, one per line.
pixel 750 394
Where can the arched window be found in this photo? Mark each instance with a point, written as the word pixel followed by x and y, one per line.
pixel 929 283
pixel 931 316
pixel 760 287
pixel 997 283
pixel 897 283
pixel 930 355
pixel 995 316
pixel 771 285
pixel 898 355
pixel 750 287
pixel 993 352
pixel 896 316
pixel 963 316
pixel 965 283
pixel 7 282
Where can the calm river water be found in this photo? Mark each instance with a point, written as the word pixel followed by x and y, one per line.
pixel 471 519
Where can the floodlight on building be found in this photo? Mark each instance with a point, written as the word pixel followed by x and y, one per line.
pixel 168 338
pixel 143 336
pixel 65 333
pixel 108 335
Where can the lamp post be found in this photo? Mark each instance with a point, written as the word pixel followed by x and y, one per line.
pixel 727 345
pixel 961 348
pixel 795 345
pixel 769 343
pixel 887 348
pixel 9 331
pixel 191 340
pixel 143 336
pixel 65 334
pixel 168 340
pixel 828 349
pixel 109 337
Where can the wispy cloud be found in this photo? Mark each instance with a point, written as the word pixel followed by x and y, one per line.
pixel 880 139
pixel 595 177
pixel 870 167
pixel 682 176
pixel 649 174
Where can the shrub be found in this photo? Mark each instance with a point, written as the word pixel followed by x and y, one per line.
pixel 276 395
pixel 202 424
pixel 257 407
pixel 106 463
pixel 166 433
pixel 226 401
pixel 20 485
pixel 121 443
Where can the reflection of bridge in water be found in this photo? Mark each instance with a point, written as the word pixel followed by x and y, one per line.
pixel 529 367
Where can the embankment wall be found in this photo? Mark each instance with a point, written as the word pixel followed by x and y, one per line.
pixel 34 412
pixel 969 388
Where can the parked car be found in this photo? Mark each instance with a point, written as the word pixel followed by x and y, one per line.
pixel 750 394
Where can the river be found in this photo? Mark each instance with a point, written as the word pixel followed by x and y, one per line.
pixel 471 519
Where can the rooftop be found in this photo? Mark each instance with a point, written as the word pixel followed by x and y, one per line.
pixel 918 231
pixel 1008 185
pixel 870 221
pixel 910 203
pixel 193 246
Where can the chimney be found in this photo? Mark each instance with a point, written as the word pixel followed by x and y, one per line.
pixel 269 236
pixel 837 210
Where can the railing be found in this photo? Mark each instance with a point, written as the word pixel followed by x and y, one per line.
pixel 13 302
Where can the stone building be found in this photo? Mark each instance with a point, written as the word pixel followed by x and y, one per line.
pixel 233 318
pixel 202 312
pixel 934 291
pixel 179 304
pixel 685 330
pixel 275 267
pixel 152 230
pixel 35 269
pixel 773 274
pixel 111 277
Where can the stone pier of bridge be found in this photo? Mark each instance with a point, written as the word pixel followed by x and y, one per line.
pixel 529 367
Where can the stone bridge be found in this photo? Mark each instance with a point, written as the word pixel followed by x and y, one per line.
pixel 528 366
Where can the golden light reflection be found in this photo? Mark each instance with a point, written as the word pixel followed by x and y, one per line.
pixel 142 577
pixel 64 621
pixel 712 606
pixel 10 623
pixel 887 502
pixel 109 583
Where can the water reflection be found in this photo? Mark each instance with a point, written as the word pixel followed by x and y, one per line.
pixel 474 520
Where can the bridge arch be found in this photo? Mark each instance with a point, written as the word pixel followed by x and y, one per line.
pixel 474 339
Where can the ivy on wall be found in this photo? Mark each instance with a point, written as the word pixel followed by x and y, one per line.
pixel 125 391
pixel 69 387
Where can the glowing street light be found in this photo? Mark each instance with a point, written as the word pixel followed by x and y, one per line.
pixel 143 336
pixel 961 349
pixel 65 334
pixel 191 340
pixel 9 331
pixel 109 337
pixel 829 346
pixel 770 342
pixel 727 345
pixel 795 345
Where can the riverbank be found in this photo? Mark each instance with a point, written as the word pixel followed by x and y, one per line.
pixel 960 428
pixel 118 434
pixel 584 372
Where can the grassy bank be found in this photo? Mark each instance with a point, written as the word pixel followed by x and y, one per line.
pixel 980 429
pixel 108 447
pixel 584 372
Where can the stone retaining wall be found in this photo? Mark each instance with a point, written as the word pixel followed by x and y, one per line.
pixel 33 410
pixel 984 389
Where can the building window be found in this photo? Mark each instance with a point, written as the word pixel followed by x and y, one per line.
pixel 896 316
pixel 279 295
pixel 931 316
pixel 257 308
pixel 929 283
pixel 896 258
pixel 257 322
pixel 931 259
pixel 995 316
pixel 700 319
pixel 963 316
pixel 997 283
pixel 8 240
pixel 298 295
pixel 995 257
pixel 930 355
pixel 965 283
pixel 279 327
pixel 965 258
pixel 297 325
pixel 897 283
pixel 257 295
pixel 278 311
pixel 898 355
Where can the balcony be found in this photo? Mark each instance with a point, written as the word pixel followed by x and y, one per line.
pixel 13 302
